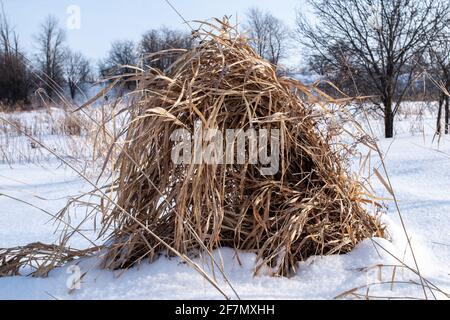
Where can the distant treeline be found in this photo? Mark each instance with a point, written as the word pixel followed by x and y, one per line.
pixel 388 50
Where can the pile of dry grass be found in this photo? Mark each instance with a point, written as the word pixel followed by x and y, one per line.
pixel 310 207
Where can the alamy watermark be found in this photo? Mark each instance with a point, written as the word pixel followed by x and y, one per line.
pixel 73 21
pixel 374 18
pixel 232 146
pixel 74 280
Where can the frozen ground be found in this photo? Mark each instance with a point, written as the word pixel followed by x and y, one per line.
pixel 420 174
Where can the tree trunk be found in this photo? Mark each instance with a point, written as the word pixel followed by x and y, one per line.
pixel 73 90
pixel 447 115
pixel 439 116
pixel 388 119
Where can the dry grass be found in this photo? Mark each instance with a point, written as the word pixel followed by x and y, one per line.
pixel 311 207
pixel 85 137
pixel 70 124
pixel 38 257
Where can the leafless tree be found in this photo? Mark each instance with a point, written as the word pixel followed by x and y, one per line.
pixel 439 54
pixel 51 54
pixel 77 71
pixel 384 38
pixel 15 76
pixel 268 35
pixel 157 40
pixel 338 66
pixel 122 55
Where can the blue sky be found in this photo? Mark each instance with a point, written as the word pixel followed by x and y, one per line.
pixel 103 21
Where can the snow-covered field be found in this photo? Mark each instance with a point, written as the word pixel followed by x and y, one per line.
pixel 419 170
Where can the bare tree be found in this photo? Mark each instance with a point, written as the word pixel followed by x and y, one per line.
pixel 121 56
pixel 440 72
pixel 51 53
pixel 384 38
pixel 338 66
pixel 268 35
pixel 157 40
pixel 15 76
pixel 77 71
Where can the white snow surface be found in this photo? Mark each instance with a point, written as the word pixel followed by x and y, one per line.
pixel 420 173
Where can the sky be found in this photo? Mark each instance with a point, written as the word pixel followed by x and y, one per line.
pixel 91 25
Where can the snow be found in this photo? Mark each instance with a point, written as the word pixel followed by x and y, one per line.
pixel 47 188
pixel 419 170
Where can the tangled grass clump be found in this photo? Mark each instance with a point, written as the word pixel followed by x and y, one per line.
pixel 311 206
